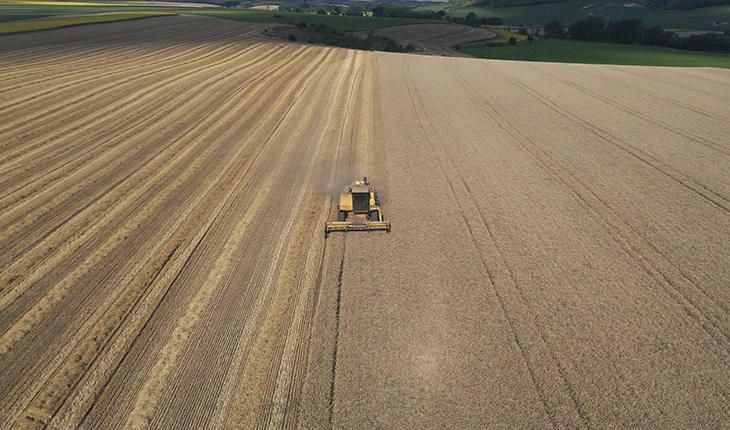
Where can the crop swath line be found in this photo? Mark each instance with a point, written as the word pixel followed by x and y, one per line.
pixel 127 103
pixel 337 336
pixel 281 386
pixel 86 78
pixel 98 59
pixel 157 156
pixel 227 201
pixel 270 402
pixel 169 93
pixel 59 113
pixel 111 368
pixel 79 130
pixel 349 121
pixel 276 392
pixel 15 63
pixel 172 105
pixel 129 42
pixel 240 90
pixel 262 172
pixel 188 56
pixel 607 216
pixel 130 333
pixel 67 345
pixel 340 170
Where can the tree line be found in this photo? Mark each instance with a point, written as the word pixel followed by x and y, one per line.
pixel 633 31
pixel 472 20
pixel 390 10
pixel 327 35
pixel 681 4
pixel 651 4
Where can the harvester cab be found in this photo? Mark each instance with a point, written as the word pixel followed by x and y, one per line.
pixel 359 210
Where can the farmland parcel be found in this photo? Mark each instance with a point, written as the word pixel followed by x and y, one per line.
pixel 559 253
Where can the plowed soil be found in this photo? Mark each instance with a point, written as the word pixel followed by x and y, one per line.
pixel 559 254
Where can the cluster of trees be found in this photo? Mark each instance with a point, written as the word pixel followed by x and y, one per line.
pixel 633 31
pixel 505 3
pixel 472 20
pixel 652 4
pixel 321 9
pixel 681 4
pixel 331 36
pixel 392 10
pixel 703 42
pixel 398 10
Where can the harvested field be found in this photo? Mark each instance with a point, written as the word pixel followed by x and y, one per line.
pixel 435 39
pixel 71 20
pixel 559 253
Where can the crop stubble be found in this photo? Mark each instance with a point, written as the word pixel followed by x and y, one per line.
pixel 151 264
pixel 559 252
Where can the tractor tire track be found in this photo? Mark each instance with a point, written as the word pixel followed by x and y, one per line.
pixel 549 379
pixel 700 304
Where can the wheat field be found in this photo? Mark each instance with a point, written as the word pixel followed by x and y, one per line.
pixel 559 254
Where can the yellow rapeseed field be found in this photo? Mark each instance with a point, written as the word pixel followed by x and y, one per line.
pixel 505 35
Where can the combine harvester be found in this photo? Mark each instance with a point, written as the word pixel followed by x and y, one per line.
pixel 359 210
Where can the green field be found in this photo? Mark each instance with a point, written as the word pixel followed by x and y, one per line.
pixel 710 18
pixel 568 51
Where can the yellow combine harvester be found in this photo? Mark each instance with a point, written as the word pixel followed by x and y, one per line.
pixel 359 210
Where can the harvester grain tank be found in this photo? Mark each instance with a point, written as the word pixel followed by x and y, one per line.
pixel 359 210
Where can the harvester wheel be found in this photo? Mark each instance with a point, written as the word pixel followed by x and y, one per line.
pixel 341 215
pixel 374 216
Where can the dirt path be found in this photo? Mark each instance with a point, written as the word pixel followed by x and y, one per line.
pixel 558 254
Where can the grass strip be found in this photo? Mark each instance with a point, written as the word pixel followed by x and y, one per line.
pixel 567 51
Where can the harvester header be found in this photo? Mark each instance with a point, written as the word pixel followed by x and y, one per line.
pixel 359 210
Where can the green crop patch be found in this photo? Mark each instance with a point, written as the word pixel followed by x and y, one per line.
pixel 504 36
pixel 566 51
